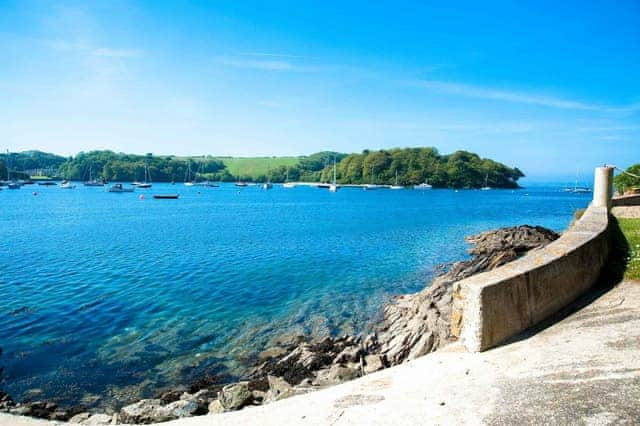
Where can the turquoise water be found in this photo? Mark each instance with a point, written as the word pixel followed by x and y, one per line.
pixel 106 298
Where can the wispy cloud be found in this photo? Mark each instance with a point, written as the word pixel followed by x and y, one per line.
pixel 266 62
pixel 115 53
pixel 274 55
pixel 528 98
pixel 503 95
pixel 88 49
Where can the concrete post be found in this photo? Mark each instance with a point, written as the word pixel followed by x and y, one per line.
pixel 603 187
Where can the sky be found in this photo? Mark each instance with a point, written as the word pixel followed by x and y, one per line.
pixel 549 87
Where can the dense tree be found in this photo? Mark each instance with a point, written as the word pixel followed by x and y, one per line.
pixel 624 182
pixel 412 166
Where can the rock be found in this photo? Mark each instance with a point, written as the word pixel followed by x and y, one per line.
pixel 350 354
pixel 337 374
pixel 182 408
pixel 21 410
pixel 170 396
pixel 6 401
pixel 79 418
pixel 97 420
pixel 202 398
pixel 420 323
pixel 60 415
pixel 235 396
pixel 278 389
pixel 144 412
pixel 216 407
pixel 372 363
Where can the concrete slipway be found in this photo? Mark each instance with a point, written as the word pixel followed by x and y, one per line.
pixel 583 369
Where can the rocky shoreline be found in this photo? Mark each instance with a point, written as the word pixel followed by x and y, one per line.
pixel 413 325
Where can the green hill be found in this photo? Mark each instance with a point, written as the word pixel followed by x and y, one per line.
pixel 252 168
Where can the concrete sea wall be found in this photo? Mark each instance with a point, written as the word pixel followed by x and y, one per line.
pixel 493 306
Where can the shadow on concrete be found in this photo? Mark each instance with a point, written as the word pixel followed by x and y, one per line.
pixel 610 276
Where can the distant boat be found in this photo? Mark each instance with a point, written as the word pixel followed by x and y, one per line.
pixel 208 184
pixel 334 186
pixel 166 196
pixel 286 183
pixel 47 183
pixel 241 183
pixel 370 186
pixel 119 188
pixel 422 186
pixel 396 186
pixel 92 181
pixel 578 189
pixel 486 187
pixel 147 179
pixel 267 185
pixel 187 176
pixel 11 184
pixel 65 184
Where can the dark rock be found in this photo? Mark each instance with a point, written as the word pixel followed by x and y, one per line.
pixel 170 396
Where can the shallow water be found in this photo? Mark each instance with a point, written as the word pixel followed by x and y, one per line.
pixel 105 298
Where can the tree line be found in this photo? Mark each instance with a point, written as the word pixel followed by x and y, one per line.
pixel 408 166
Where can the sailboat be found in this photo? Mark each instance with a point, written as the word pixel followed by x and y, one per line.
pixel 486 187
pixel 286 183
pixel 187 176
pixel 92 181
pixel 370 186
pixel 11 184
pixel 147 178
pixel 333 187
pixel 396 186
pixel 578 189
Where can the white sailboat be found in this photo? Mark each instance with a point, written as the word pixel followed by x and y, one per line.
pixel 578 189
pixel 486 187
pixel 396 186
pixel 334 187
pixel 187 176
pixel 147 178
pixel 286 183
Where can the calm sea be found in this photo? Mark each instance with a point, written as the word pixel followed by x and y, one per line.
pixel 105 298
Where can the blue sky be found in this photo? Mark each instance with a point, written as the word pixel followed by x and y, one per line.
pixel 545 86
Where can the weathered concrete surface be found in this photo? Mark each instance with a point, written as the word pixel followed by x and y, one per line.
pixel 496 305
pixel 630 212
pixel 584 369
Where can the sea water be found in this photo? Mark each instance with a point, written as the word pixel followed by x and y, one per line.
pixel 106 298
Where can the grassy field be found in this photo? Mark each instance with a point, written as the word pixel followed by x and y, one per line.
pixel 631 230
pixel 256 166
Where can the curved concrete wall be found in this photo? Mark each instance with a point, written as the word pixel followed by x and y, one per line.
pixel 496 305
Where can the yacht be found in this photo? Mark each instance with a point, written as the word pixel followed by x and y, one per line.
pixel 65 184
pixel 422 186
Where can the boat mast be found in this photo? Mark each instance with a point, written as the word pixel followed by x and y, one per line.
pixel 334 169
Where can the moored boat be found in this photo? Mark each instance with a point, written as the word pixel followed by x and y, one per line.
pixel 65 184
pixel 422 186
pixel 166 196
pixel 118 187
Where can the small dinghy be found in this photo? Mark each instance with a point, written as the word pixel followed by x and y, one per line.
pixel 166 196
